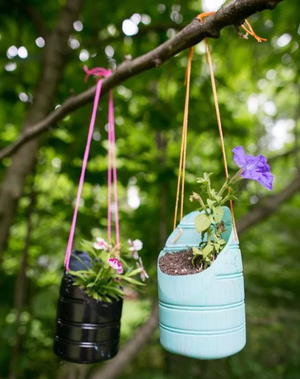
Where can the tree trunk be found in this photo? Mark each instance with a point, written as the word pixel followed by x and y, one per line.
pixel 23 161
pixel 21 291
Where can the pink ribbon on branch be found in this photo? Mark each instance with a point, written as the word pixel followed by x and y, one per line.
pixel 111 170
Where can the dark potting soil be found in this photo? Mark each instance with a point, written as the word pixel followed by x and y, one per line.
pixel 179 263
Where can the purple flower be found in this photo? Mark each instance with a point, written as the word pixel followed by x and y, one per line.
pixel 115 264
pixel 253 167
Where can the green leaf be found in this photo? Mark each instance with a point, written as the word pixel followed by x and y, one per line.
pixel 218 214
pixel 210 203
pixel 215 196
pixel 132 281
pixel 134 272
pixel 90 285
pixel 206 175
pixel 217 246
pixel 207 250
pixel 196 251
pixel 202 222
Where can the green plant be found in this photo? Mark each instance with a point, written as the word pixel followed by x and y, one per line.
pixel 111 268
pixel 209 223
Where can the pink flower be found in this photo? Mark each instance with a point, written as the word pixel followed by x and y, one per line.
pixel 101 244
pixel 115 264
pixel 135 246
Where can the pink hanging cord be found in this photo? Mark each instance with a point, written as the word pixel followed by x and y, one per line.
pixel 112 170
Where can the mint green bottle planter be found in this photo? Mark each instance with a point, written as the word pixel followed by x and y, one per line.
pixel 203 315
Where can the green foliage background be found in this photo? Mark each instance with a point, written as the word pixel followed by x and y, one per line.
pixel 149 111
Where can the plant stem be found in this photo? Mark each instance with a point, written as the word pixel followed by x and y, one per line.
pixel 232 180
pixel 224 186
pixel 227 197
pixel 236 177
pixel 204 207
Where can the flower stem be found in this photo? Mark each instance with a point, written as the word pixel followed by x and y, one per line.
pixel 236 177
pixel 224 186
pixel 204 207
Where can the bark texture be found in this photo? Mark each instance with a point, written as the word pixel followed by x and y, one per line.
pixel 23 160
pixel 21 287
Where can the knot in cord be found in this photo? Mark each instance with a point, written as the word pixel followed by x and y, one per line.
pixel 97 71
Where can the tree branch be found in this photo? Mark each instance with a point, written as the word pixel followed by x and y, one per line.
pixel 52 66
pixel 285 154
pixel 232 14
pixel 267 206
pixel 113 368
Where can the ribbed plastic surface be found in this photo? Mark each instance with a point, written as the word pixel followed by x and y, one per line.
pixel 203 315
pixel 87 331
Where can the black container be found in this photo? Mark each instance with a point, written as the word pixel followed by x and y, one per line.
pixel 87 330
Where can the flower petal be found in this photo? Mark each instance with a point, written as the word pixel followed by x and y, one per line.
pixel 101 244
pixel 239 156
pixel 266 180
pixel 137 244
pixel 115 264
pixel 254 167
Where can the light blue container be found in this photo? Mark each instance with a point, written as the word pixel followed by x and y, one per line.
pixel 203 315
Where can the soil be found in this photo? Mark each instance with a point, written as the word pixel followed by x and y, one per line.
pixel 179 263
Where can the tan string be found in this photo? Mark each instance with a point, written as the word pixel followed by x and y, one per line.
pixel 216 102
pixel 246 26
pixel 249 30
pixel 182 160
pixel 219 122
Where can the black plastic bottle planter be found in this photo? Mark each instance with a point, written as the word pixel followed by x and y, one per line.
pixel 87 330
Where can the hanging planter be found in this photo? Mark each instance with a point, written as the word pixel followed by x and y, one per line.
pixel 87 330
pixel 202 315
pixel 200 272
pixel 91 293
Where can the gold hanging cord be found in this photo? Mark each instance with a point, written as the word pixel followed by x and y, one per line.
pixel 182 160
pixel 249 30
pixel 219 122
